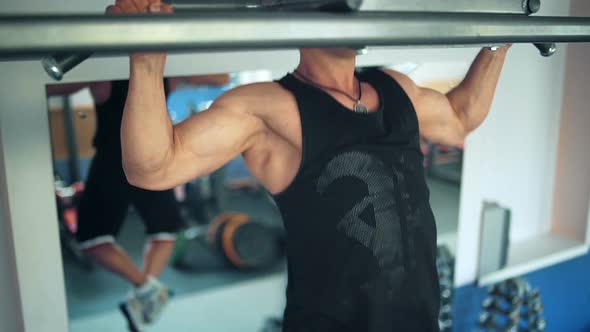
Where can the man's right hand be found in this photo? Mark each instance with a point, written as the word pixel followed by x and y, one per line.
pixel 151 62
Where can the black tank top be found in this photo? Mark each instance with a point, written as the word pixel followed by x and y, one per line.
pixel 361 237
pixel 107 139
pixel 109 115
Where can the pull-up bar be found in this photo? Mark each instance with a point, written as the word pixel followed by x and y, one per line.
pixel 31 36
pixel 58 64
pixel 326 5
pixel 35 36
pixel 445 6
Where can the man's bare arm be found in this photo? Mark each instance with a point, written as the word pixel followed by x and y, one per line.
pixel 158 156
pixel 448 119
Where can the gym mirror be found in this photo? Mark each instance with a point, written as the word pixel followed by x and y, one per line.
pixel 206 277
pixel 113 235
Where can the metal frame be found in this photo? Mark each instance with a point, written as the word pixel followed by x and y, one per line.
pixel 328 5
pixel 455 6
pixel 31 36
pixel 447 6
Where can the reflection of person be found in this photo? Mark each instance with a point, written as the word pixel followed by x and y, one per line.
pixel 341 154
pixel 107 196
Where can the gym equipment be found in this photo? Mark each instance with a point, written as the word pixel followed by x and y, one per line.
pixel 244 243
pixel 445 264
pixel 458 6
pixel 57 65
pixel 330 5
pixel 273 324
pixel 29 36
pixel 512 306
pixel 206 197
pixel 66 198
pixel 443 162
pixel 260 30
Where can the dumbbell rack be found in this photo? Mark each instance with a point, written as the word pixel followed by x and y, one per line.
pixel 512 306
pixel 445 263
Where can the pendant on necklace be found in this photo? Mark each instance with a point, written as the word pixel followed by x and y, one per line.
pixel 360 108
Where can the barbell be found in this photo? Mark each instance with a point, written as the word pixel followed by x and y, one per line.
pixel 243 242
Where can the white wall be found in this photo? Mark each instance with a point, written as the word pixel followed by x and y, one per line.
pixel 572 183
pixel 10 316
pixel 30 215
pixel 511 158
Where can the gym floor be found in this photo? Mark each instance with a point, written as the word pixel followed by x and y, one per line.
pixel 214 298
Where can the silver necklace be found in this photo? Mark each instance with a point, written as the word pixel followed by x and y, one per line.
pixel 359 107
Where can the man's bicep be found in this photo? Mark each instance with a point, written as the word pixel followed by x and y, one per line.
pixel 218 131
pixel 439 123
pixel 207 141
pixel 437 120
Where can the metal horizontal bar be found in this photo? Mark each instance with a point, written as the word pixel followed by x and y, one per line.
pixel 196 5
pixel 446 6
pixel 30 36
pixel 454 6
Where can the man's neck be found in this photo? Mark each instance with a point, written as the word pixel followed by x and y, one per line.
pixel 324 68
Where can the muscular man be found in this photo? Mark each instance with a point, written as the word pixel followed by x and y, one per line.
pixel 340 152
pixel 107 196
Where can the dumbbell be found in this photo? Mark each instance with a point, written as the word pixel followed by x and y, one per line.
pixel 244 243
pixel 496 322
pixel 535 307
pixel 445 325
pixel 445 271
pixel 273 325
pixel 537 324
pixel 497 305
pixel 443 254
pixel 446 296
pixel 533 294
pixel 57 65
pixel 445 318
pixel 533 301
pixel 446 310
pixel 514 295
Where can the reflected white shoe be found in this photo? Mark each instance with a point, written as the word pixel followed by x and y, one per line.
pixel 132 309
pixel 153 297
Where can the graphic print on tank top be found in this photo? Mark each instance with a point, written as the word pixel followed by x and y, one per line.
pixel 387 214
pixel 384 238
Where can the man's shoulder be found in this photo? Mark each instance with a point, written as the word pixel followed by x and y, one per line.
pixel 260 89
pixel 396 75
pixel 404 81
pixel 258 97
